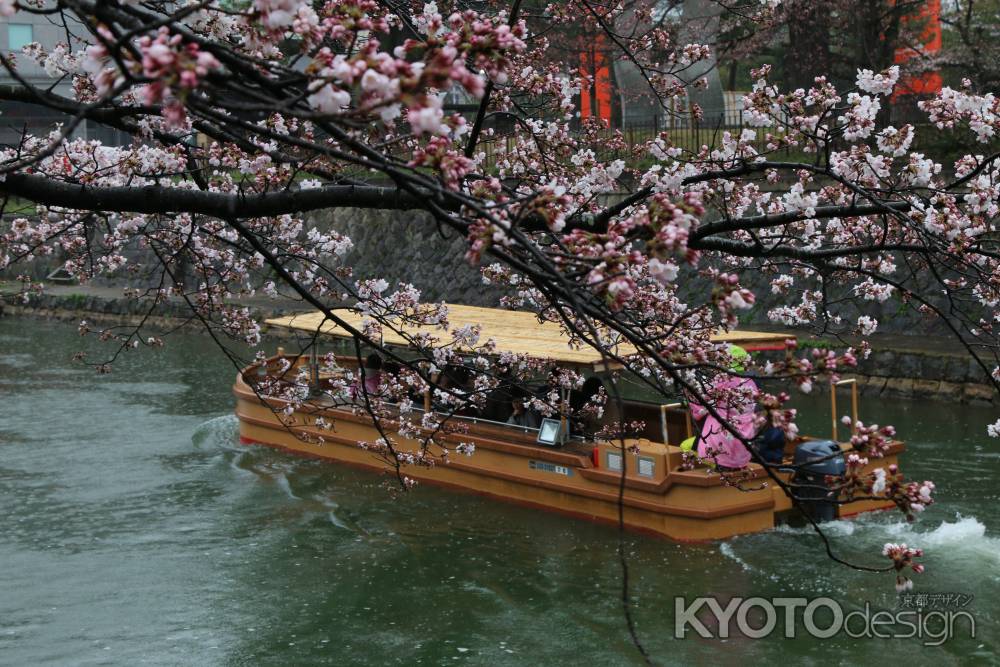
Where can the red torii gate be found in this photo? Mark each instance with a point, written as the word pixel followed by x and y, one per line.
pixel 928 82
pixel 594 63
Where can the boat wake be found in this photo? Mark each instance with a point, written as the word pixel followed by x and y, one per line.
pixel 281 478
pixel 964 532
pixel 841 528
pixel 965 539
pixel 954 548
pixel 218 433
pixel 222 435
pixel 727 550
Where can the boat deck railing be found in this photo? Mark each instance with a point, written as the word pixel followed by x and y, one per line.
pixel 663 423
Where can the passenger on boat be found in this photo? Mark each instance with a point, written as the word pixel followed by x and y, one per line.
pixel 771 444
pixel 715 442
pixel 496 407
pixel 373 377
pixel 458 381
pixel 521 415
pixel 548 392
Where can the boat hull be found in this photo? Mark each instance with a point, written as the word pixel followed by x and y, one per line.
pixel 682 505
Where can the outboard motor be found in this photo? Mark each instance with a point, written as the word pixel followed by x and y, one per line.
pixel 829 460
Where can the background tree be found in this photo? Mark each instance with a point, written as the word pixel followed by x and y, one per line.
pixel 836 38
pixel 970 41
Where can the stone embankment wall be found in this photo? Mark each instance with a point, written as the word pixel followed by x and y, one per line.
pixel 399 246
pixel 924 374
pixel 898 371
pixel 409 247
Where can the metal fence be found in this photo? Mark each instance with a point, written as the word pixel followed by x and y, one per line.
pixel 688 134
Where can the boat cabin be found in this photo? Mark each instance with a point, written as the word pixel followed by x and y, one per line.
pixel 520 332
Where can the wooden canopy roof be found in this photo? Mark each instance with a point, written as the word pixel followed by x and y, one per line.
pixel 518 332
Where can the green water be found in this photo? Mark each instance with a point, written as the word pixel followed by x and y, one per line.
pixel 136 530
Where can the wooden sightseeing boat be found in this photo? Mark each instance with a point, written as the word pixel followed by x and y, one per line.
pixel 578 477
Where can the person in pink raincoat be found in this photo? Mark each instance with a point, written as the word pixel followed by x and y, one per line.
pixel 715 442
pixel 373 378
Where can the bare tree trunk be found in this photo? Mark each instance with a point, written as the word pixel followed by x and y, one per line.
pixel 808 53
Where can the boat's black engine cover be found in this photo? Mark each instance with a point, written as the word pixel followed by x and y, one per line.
pixel 829 460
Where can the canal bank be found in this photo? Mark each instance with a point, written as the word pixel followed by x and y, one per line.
pixel 900 366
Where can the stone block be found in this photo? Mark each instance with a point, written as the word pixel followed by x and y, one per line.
pixel 898 386
pixel 950 391
pixel 955 369
pixel 974 372
pixel 932 367
pixel 908 365
pixel 978 393
pixel 926 388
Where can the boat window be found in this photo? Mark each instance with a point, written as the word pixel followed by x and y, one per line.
pixel 646 466
pixel 650 416
pixel 613 461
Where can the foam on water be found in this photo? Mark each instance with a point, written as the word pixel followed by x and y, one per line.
pixel 963 544
pixel 962 531
pixel 332 506
pixel 841 528
pixel 965 532
pixel 282 480
pixel 236 465
pixel 217 433
pixel 727 550
pixel 965 539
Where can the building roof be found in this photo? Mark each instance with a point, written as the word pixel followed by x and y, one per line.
pixel 514 331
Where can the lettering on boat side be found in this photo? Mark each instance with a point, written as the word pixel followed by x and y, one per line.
pixel 550 467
